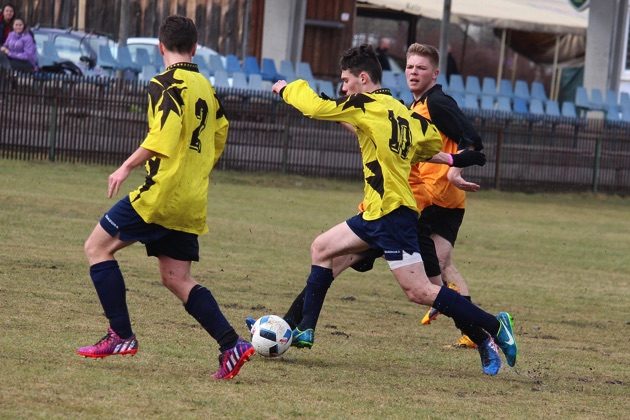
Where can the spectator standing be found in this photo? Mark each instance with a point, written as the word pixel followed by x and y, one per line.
pixel 6 21
pixel 20 49
pixel 382 52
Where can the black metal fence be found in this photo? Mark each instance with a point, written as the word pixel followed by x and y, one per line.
pixel 101 121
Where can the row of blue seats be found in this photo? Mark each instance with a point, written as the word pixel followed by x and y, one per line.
pixel 516 105
pixel 489 87
pixel 616 108
pixel 254 81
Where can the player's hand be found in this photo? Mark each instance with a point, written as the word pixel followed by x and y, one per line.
pixel 454 176
pixel 277 87
pixel 468 158
pixel 116 179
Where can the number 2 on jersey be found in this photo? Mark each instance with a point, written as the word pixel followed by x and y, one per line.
pixel 201 112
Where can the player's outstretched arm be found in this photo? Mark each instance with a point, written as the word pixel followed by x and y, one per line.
pixel 117 177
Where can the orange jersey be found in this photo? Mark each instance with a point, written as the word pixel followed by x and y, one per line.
pixel 429 181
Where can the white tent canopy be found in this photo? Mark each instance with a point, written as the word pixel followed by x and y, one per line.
pixel 554 16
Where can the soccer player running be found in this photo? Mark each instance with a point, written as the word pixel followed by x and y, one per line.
pixel 187 134
pixel 440 190
pixel 391 138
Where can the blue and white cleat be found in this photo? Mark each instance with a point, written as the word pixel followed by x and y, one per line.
pixel 303 339
pixel 505 338
pixel 490 358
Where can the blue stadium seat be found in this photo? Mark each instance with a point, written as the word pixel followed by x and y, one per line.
pixel 505 88
pixel 269 71
pixel 538 91
pixel 250 65
pixel 535 106
pixel 456 84
pixel 613 113
pixel 239 80
pixel 221 79
pixel 303 71
pixel 148 71
pixel 203 66
pixel 489 86
pixel 255 82
pixel 611 99
pixel 459 98
pixel 582 102
pixel 473 86
pixel 441 80
pixel 597 100
pixel 287 70
pixel 551 108
pixel 568 110
pixel 624 99
pixel 522 91
pixel 504 104
pixel 232 64
pixel 326 87
pixel 470 101
pixel 625 112
pixel 216 64
pixel 487 102
pixel 520 105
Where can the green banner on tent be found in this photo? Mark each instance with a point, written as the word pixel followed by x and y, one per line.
pixel 580 4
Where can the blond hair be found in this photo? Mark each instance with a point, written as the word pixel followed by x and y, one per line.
pixel 425 50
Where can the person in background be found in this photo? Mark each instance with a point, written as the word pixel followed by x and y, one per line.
pixel 20 49
pixel 382 52
pixel 6 21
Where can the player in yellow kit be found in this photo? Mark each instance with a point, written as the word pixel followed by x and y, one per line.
pixel 392 139
pixel 187 134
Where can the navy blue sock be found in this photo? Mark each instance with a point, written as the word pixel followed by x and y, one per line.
pixel 205 309
pixel 317 285
pixel 110 287
pixel 294 314
pixel 465 313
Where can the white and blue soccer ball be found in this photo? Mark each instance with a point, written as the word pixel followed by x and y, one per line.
pixel 271 336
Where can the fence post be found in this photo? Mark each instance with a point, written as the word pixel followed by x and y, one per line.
pixel 597 163
pixel 285 148
pixel 497 163
pixel 52 130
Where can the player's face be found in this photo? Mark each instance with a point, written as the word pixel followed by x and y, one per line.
pixel 420 74
pixel 352 84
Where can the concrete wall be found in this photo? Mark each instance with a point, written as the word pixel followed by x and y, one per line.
pixel 283 31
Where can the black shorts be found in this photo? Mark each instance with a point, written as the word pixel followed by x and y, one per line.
pixel 123 220
pixel 442 221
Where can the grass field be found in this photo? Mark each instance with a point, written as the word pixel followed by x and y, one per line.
pixel 559 263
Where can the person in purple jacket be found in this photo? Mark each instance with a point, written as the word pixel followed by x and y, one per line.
pixel 20 48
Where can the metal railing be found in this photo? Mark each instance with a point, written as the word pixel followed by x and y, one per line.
pixel 101 121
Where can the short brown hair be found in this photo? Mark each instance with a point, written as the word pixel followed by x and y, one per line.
pixel 425 50
pixel 362 58
pixel 178 34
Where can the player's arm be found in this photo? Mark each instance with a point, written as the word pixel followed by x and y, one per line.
pixel 456 178
pixel 117 177
pixel 299 95
pixel 451 121
pixel 221 131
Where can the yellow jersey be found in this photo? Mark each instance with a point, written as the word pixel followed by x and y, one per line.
pixel 187 131
pixel 391 138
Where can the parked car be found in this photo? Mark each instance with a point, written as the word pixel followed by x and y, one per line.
pixel 78 47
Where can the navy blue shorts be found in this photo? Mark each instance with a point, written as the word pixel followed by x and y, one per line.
pixel 123 220
pixel 393 233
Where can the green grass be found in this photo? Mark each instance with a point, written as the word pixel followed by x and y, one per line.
pixel 558 263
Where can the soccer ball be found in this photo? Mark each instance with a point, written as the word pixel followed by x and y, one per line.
pixel 271 336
